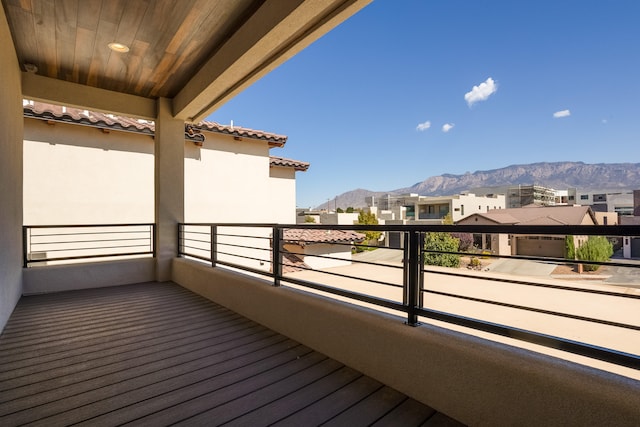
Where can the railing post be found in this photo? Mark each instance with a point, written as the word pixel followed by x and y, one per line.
pixel 405 268
pixel 214 245
pixel 413 278
pixel 25 261
pixel 276 262
pixel 180 233
pixel 153 238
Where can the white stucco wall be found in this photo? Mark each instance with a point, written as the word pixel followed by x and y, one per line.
pixel 341 255
pixel 11 127
pixel 80 175
pixel 231 181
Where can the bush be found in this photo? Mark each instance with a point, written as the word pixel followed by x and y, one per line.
pixel 441 242
pixel 466 241
pixel 597 248
pixel 570 247
pixel 309 219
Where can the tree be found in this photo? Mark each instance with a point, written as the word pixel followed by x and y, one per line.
pixel 339 210
pixel 309 218
pixel 466 241
pixel 350 209
pixel 597 248
pixel 368 218
pixel 444 242
pixel 441 242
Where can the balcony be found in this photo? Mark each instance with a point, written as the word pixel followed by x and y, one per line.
pixel 558 350
pixel 157 354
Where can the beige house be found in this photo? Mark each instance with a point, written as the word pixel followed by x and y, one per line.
pixel 547 245
pixel 318 249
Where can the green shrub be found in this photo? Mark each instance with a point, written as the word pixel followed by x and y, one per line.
pixel 597 248
pixel 441 242
pixel 570 247
pixel 309 219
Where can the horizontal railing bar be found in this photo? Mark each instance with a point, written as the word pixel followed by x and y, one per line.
pixel 196 240
pixel 242 246
pixel 96 248
pixel 124 254
pixel 92 240
pixel 197 248
pixel 194 232
pixel 244 257
pixel 330 273
pixel 400 267
pixel 535 310
pixel 143 224
pixel 350 294
pixel 247 236
pixel 535 284
pixel 596 352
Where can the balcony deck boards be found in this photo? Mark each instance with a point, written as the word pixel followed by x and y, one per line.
pixel 157 354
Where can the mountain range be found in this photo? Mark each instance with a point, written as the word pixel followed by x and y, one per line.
pixel 556 175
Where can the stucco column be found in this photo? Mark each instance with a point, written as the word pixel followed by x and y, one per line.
pixel 169 186
pixel 11 133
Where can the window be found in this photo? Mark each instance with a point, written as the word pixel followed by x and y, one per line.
pixel 599 197
pixel 584 197
pixel 462 210
pixel 572 197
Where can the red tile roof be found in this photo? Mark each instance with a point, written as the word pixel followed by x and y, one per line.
pixel 288 163
pixel 310 236
pixel 44 111
pixel 192 132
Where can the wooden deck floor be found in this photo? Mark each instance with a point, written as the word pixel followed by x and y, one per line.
pixel 157 354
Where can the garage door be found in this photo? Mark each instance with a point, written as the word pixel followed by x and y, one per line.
pixel 541 246
pixel 635 247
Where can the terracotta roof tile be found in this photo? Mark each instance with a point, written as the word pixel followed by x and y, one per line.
pixel 44 111
pixel 309 236
pixel 288 163
pixel 272 138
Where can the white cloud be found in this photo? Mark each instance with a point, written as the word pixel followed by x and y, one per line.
pixel 562 113
pixel 423 126
pixel 482 92
pixel 447 127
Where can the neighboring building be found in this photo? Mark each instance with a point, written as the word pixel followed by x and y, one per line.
pixel 87 167
pixel 518 196
pixel 433 209
pixel 414 209
pixel 318 249
pixel 631 245
pixel 549 246
pixel 618 201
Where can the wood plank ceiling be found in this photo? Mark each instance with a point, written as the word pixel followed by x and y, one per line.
pixel 169 40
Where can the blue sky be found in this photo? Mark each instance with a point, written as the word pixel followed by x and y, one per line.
pixel 513 81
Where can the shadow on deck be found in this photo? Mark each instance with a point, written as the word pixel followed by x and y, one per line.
pixel 158 354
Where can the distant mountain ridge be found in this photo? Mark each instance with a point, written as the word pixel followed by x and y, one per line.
pixel 557 175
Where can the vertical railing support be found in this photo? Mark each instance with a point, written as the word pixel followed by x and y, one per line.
pixel 413 277
pixel 276 262
pixel 180 240
pixel 25 260
pixel 214 245
pixel 153 238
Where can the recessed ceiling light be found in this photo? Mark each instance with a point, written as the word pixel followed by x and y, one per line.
pixel 119 47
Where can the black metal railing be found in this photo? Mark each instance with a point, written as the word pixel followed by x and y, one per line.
pixel 412 287
pixel 54 244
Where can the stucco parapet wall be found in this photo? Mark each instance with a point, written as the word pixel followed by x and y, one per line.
pixel 57 278
pixel 475 381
